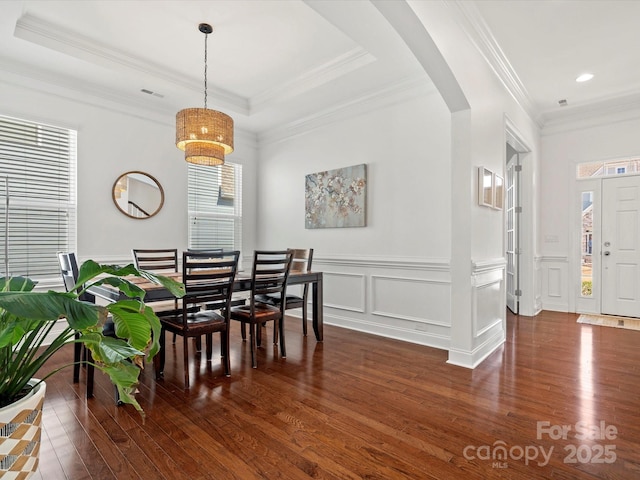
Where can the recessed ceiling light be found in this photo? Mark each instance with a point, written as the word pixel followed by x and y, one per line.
pixel 585 77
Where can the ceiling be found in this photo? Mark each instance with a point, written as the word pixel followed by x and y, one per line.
pixel 548 43
pixel 272 63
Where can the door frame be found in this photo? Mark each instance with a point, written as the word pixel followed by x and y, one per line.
pixel 529 302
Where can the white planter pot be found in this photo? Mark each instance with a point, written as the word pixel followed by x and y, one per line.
pixel 20 427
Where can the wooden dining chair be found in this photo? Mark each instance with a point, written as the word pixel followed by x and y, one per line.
pixel 269 276
pixel 300 262
pixel 160 261
pixel 208 279
pixel 81 356
pixel 156 260
pixel 204 250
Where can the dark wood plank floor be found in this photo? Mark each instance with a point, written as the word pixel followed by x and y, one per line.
pixel 363 407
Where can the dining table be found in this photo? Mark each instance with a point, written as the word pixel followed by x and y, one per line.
pixel 155 292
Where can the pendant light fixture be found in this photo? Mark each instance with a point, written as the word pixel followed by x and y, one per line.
pixel 205 135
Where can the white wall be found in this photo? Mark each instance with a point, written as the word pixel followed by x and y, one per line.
pixel 113 139
pixel 406 150
pixel 389 277
pixel 478 307
pixel 444 265
pixel 562 149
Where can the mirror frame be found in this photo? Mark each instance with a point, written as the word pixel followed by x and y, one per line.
pixel 151 177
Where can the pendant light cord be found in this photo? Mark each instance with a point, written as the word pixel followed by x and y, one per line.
pixel 205 70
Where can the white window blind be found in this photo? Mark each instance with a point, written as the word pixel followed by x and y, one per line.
pixel 37 190
pixel 215 206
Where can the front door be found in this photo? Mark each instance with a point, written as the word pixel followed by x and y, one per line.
pixel 621 246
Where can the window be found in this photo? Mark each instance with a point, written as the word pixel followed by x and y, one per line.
pixel 37 191
pixel 586 244
pixel 612 167
pixel 215 206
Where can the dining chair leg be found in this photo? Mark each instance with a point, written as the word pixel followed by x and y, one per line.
pixel 185 351
pixel 198 341
pixel 160 356
pixel 209 343
pixel 77 354
pixel 283 351
pixel 224 351
pixel 243 331
pixel 254 346
pixel 304 317
pixel 259 334
pixel 90 373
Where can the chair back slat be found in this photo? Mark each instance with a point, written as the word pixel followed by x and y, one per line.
pixel 302 258
pixel 270 272
pixel 156 260
pixel 208 277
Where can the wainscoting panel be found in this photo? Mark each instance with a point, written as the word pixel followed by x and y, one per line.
pixel 555 282
pixel 403 298
pixel 344 291
pixel 488 312
pixel 396 297
pixel 489 308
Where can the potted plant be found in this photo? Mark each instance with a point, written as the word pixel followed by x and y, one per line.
pixel 27 318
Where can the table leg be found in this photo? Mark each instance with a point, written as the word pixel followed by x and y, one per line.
pixel 317 308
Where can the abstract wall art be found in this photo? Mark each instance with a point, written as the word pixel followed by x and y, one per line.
pixel 336 198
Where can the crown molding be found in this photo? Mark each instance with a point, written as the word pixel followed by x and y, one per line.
pixel 403 90
pixel 68 88
pixel 313 78
pixel 52 36
pixel 469 18
pixel 606 111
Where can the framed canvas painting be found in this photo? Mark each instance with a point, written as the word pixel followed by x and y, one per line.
pixel 336 198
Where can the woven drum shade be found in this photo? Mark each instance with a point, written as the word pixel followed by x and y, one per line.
pixel 205 135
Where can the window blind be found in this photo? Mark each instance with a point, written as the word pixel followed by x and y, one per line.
pixel 37 190
pixel 215 206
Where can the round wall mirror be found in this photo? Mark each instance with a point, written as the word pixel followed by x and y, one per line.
pixel 138 195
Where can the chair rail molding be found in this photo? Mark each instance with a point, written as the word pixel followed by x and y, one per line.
pixel 409 263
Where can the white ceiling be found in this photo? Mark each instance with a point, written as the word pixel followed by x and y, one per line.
pixel 274 62
pixel 548 43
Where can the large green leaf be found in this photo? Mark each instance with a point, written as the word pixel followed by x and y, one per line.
pixel 92 273
pixel 109 350
pixel 16 284
pixel 176 288
pixel 135 322
pixel 14 329
pixel 42 306
pixel 90 269
pixel 124 376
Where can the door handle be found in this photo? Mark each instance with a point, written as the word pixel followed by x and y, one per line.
pixel 607 253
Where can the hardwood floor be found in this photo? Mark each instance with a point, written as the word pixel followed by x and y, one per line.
pixel 364 407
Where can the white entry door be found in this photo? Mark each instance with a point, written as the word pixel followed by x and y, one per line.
pixel 621 246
